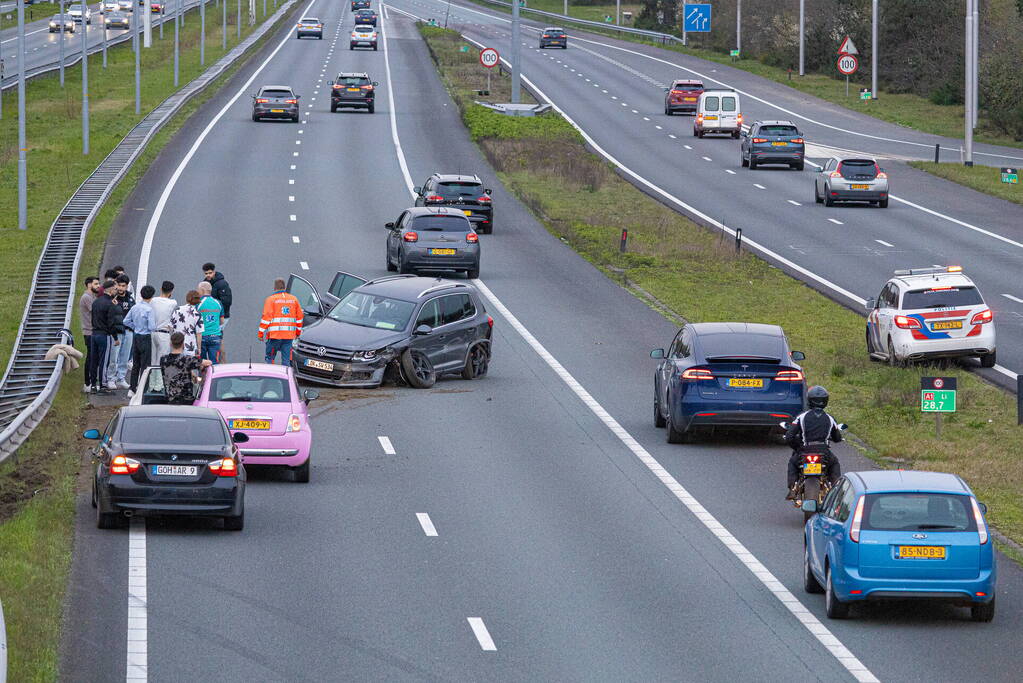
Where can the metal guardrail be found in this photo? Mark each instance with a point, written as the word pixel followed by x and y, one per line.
pixel 656 35
pixel 11 81
pixel 3 647
pixel 30 382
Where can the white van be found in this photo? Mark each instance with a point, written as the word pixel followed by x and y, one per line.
pixel 718 111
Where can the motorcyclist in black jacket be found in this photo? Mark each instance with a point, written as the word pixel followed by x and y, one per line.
pixel 813 431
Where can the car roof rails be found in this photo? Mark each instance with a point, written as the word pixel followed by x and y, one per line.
pixel 437 288
pixel 387 278
pixel 930 271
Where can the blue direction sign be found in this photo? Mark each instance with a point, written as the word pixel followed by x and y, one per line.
pixel 696 18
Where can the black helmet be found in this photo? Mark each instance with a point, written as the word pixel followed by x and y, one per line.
pixel 817 397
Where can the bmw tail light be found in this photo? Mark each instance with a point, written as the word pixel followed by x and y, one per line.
pixel 122 464
pixel 294 423
pixel 906 323
pixel 411 236
pixel 854 531
pixel 979 519
pixel 697 374
pixel 789 376
pixel 984 316
pixel 472 238
pixel 225 467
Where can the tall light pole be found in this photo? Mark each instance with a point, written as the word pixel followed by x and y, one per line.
pixel 976 62
pixel 802 37
pixel 516 44
pixel 874 62
pixel 147 19
pixel 738 27
pixel 618 12
pixel 176 43
pixel 22 145
pixel 136 40
pixel 566 8
pixel 970 85
pixel 85 89
pixel 62 32
pixel 238 20
pixel 223 15
pixel 202 32
pixel 163 15
pixel 103 27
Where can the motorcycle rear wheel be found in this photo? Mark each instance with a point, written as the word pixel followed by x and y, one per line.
pixel 811 491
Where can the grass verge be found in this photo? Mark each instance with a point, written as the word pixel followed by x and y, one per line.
pixel 986 179
pixel 697 274
pixel 34 12
pixel 903 109
pixel 37 485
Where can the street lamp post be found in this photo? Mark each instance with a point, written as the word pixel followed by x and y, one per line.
pixel 136 32
pixel 62 32
pixel 976 61
pixel 176 42
pixel 147 19
pixel 802 37
pixel 85 89
pixel 738 26
pixel 103 27
pixel 239 19
pixel 970 83
pixel 874 63
pixel 516 44
pixel 202 32
pixel 22 145
pixel 223 16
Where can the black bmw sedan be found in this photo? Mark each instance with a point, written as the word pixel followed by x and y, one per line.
pixel 168 460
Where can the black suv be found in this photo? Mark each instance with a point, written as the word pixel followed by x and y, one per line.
pixel 463 192
pixel 353 90
pixel 400 327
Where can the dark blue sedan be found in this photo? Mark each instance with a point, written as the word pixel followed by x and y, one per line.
pixel 726 374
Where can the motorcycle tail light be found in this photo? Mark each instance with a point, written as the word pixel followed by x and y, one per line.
pixel 984 316
pixel 979 519
pixel 854 531
pixel 906 323
pixel 812 457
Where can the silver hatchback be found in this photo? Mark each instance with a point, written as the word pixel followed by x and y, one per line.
pixel 851 180
pixel 433 238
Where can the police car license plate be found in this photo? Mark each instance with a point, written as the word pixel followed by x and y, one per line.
pixel 174 470
pixel 319 364
pixel 811 468
pixel 947 325
pixel 746 383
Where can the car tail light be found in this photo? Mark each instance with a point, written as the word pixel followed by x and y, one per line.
pixel 836 174
pixel 979 519
pixel 984 316
pixel 789 376
pixel 261 100
pixel 797 140
pixel 546 36
pixel 367 87
pixel 490 322
pixel 290 101
pixel 882 175
pixel 906 323
pixel 411 236
pixel 122 464
pixel 483 200
pixel 434 198
pixel 225 467
pixel 355 34
pixel 854 531
pixel 337 87
pixel 759 140
pixel 472 238
pixel 699 118
pixel 738 118
pixel 697 373
pixel 294 423
pixel 319 25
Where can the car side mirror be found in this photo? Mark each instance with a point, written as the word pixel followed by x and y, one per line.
pixel 488 191
pixel 843 426
pixel 798 355
pixel 809 506
pixel 657 353
pixel 389 226
pixel 310 395
pixel 983 507
pixel 92 434
pixel 417 189
pixel 423 330
pixel 375 83
pixel 240 437
pixel 871 304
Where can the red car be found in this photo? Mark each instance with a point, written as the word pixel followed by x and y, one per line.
pixel 683 95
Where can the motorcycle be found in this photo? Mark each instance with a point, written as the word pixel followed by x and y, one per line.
pixel 814 480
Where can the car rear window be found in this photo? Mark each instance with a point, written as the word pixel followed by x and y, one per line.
pixel 352 80
pixel 858 167
pixel 941 297
pixel 712 103
pixel 917 512
pixel 364 28
pixel 454 190
pixel 441 223
pixel 250 389
pixel 310 20
pixel 277 93
pixel 735 346
pixel 727 104
pixel 779 130
pixel 687 86
pixel 178 431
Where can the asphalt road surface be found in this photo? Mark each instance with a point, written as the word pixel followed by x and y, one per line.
pixel 572 542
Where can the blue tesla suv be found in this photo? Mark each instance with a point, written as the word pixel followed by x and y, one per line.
pixel 727 374
pixel 899 535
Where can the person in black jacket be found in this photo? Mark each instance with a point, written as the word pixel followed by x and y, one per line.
pixel 814 429
pixel 221 290
pixel 107 326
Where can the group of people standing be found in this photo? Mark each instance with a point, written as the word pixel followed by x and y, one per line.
pixel 122 331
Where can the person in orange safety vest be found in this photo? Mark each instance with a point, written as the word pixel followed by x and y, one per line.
pixel 281 323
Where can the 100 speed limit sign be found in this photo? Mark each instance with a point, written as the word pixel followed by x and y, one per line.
pixel 489 57
pixel 848 64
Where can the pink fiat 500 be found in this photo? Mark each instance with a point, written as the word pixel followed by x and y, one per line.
pixel 264 402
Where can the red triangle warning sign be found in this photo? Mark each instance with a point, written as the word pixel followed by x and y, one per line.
pixel 848 47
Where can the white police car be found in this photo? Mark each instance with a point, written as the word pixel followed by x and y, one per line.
pixel 927 313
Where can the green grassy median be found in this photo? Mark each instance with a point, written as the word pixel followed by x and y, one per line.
pixel 986 179
pixel 698 274
pixel 38 484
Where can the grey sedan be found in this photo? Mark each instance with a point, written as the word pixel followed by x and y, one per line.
pixel 851 180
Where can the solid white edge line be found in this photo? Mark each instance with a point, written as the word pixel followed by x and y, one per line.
pixel 1013 298
pixel 424 521
pixel 798 610
pixel 849 661
pixel 137 656
pixel 386 444
pixel 479 629
pixel 887 244
pixel 394 120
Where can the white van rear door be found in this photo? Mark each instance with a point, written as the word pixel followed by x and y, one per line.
pixel 729 116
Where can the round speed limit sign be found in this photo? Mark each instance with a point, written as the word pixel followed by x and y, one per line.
pixel 848 64
pixel 489 57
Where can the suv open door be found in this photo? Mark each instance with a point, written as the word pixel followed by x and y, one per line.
pixel 315 304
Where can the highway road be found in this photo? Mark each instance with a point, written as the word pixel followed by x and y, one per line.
pixel 572 542
pixel 607 86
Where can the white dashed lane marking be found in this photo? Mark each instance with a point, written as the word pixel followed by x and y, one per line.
pixel 793 202
pixel 482 634
pixel 294 238
pixel 426 523
pixel 836 221
pixel 759 186
pixel 386 444
pixel 1010 297
pixel 707 159
pixel 305 266
pixel 729 171
pixel 887 244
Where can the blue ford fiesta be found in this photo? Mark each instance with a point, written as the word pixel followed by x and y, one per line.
pixel 727 374
pixel 900 535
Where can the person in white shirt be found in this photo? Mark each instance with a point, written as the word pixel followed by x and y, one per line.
pixel 163 307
